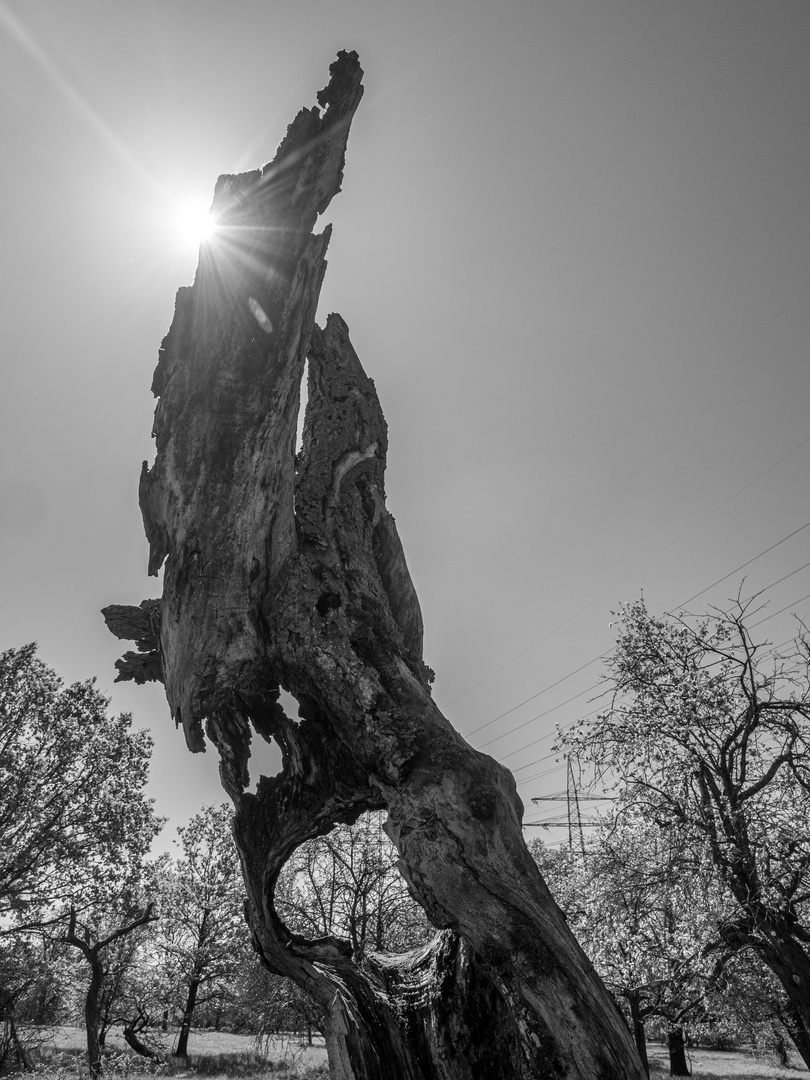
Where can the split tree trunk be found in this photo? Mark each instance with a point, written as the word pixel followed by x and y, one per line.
pixel 285 573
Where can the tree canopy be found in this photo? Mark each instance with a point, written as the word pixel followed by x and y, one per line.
pixel 74 815
pixel 707 734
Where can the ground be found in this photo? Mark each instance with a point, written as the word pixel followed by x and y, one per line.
pixel 217 1055
pixel 214 1055
pixel 722 1065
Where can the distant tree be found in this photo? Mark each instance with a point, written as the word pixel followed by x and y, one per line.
pixel 707 733
pixel 74 819
pixel 747 1006
pixel 203 931
pixel 22 973
pixel 645 910
pixel 346 883
pixel 265 1004
pixel 108 945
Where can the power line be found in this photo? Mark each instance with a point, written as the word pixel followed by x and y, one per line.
pixel 548 735
pixel 550 686
pixel 780 580
pixel 561 797
pixel 540 775
pixel 539 716
pixel 666 547
pixel 561 765
pixel 743 565
pixel 605 655
pixel 565 727
pixel 779 612
pixel 559 824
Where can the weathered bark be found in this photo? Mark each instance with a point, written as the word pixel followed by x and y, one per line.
pixel 285 573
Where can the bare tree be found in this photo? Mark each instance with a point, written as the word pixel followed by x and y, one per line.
pixel 347 883
pixel 285 572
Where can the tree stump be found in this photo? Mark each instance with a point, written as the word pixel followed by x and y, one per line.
pixel 287 572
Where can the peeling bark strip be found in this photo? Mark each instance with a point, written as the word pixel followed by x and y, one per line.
pixel 285 573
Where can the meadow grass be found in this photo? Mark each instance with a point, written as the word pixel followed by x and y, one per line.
pixel 727 1065
pixel 221 1056
pixel 214 1055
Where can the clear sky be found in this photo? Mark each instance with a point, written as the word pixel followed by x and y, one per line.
pixel 573 250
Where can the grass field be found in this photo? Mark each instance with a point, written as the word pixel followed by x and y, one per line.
pixel 217 1055
pixel 211 1054
pixel 722 1065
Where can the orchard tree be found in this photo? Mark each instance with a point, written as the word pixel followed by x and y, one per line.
pixel 74 819
pixel 708 733
pixel 24 974
pixel 75 822
pixel 203 932
pixel 265 1004
pixel 747 1006
pixel 646 912
pixel 108 943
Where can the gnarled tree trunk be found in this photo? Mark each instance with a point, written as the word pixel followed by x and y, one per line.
pixel 289 573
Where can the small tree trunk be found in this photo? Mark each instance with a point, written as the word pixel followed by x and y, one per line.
pixel 188 1012
pixel 678 1065
pixel 639 1034
pixel 12 1050
pixel 781 1048
pixel 132 1040
pixel 92 1010
pixel 92 953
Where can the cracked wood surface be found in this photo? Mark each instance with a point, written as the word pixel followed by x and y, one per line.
pixel 285 572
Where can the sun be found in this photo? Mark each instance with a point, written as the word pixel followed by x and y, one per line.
pixel 194 223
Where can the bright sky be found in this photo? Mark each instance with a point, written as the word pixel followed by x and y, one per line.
pixel 573 249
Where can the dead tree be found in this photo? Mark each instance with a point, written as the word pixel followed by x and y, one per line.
pixel 288 572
